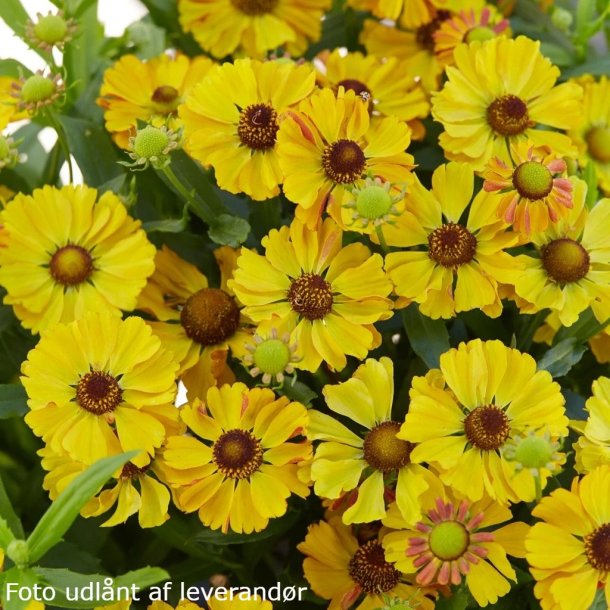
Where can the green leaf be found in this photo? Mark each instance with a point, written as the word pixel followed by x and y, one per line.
pixel 297 391
pixel 93 150
pixel 575 405
pixel 13 400
pixel 229 230
pixel 60 579
pixel 562 357
pixel 62 513
pixel 597 67
pixel 428 338
pixel 275 527
pixel 6 535
pixel 590 177
pixel 14 15
pixel 11 67
pixel 583 329
pixel 142 578
pixel 22 576
pixel 75 8
pixel 169 225
pixel 8 512
pixel 559 55
pixel 149 40
pixel 458 601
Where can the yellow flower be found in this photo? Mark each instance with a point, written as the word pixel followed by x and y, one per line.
pixel 68 253
pixel 592 134
pixel 9 110
pixel 253 27
pixel 593 447
pixel 482 23
pixel 496 93
pixel 347 572
pixel 408 13
pixel 492 393
pixel 101 386
pixel 571 272
pixel 469 256
pixel 367 465
pixel 134 90
pixel 391 89
pixel 534 187
pixel 330 144
pixel 150 501
pixel 568 550
pixel 447 544
pixel 238 136
pixel 217 604
pixel 248 466
pixel 327 295
pixel 196 322
pixel 415 49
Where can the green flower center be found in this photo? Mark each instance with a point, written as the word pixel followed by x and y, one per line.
pixel 150 142
pixel 533 180
pixel 534 452
pixel 271 356
pixel 210 316
pixel 479 33
pixel 383 451
pixel 71 265
pixel 598 144
pixel 38 88
pixel 51 29
pixel 449 540
pixel 508 116
pixel 373 202
pixel 597 548
pixel 253 8
pixel 237 454
pixel 565 260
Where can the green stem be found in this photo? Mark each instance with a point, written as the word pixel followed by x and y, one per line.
pixel 510 154
pixel 188 196
pixel 538 487
pixel 62 139
pixel 382 241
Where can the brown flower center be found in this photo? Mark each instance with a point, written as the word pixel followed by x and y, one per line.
pixel 98 392
pixel 565 260
pixel 343 161
pixel 237 454
pixel 369 568
pixel 351 84
pixel 452 245
pixel 383 451
pixel 254 7
pixel 257 127
pixel 131 471
pixel 598 144
pixel 210 316
pixel 597 548
pixel 533 180
pixel 311 296
pixel 71 265
pixel 508 116
pixel 424 35
pixel 487 427
pixel 165 99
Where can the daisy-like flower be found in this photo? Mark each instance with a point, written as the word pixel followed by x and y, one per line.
pixel 253 27
pixel 238 137
pixel 593 447
pixel 415 48
pixel 134 490
pixel 197 322
pixel 247 465
pixel 458 539
pixel 101 386
pixel 462 262
pixel 370 463
pixel 409 14
pixel 150 91
pixel 9 110
pixel 467 26
pixel 496 94
pixel 328 296
pixel 68 253
pixel 492 393
pixel 354 574
pixel 571 271
pixel 568 550
pixel 534 187
pixel 331 143
pixel 391 89
pixel 592 134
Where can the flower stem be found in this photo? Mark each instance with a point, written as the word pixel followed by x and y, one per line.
pixel 382 241
pixel 62 139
